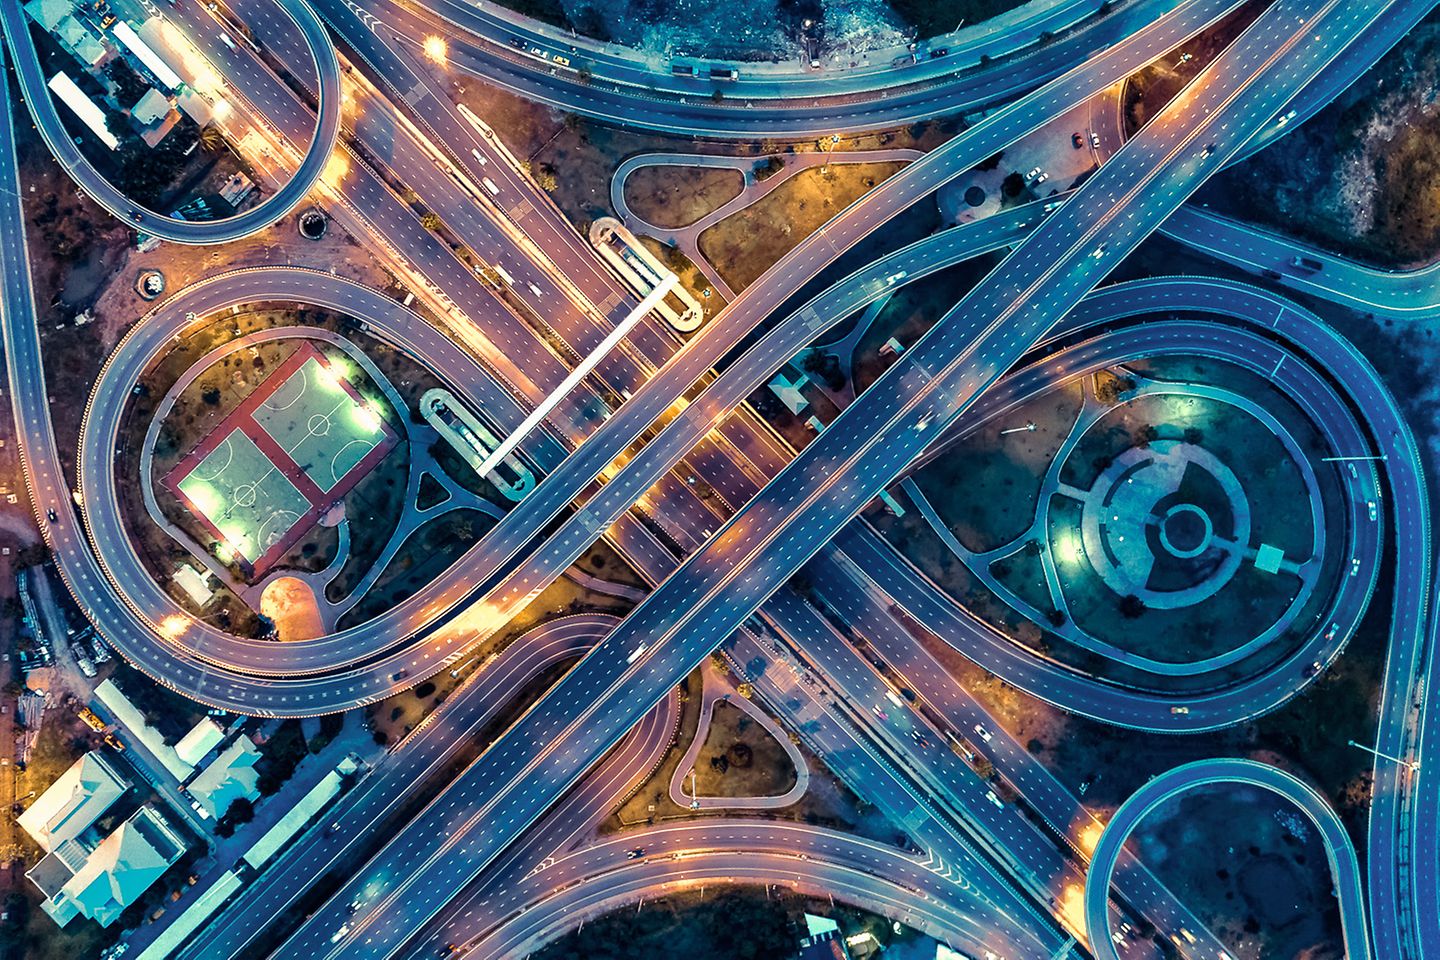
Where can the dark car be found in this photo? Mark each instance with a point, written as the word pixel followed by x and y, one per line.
pixel 517 43
pixel 50 515
pixel 635 854
pixel 939 52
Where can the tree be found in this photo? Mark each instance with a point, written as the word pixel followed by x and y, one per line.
pixel 211 397
pixel 431 221
pixel 1013 184
pixel 547 181
pixel 991 162
pixel 717 96
pixel 241 811
pixel 129 85
pixel 1194 436
pixel 212 138
pixel 1131 606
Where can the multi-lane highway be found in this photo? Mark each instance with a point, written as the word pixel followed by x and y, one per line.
pixel 783 509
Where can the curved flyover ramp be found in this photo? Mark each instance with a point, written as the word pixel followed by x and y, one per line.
pixel 31 76
pixel 1344 864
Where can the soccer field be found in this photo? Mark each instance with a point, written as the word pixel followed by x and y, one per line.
pixel 321 423
pixel 244 496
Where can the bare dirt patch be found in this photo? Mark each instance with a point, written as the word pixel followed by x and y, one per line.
pixel 671 197
pixel 744 245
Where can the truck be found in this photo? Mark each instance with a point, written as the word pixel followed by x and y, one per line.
pixel 682 69
pixel 490 185
pixel 724 73
pixel 225 39
pixel 1308 264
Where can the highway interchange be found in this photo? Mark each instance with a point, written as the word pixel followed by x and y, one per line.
pixel 519 801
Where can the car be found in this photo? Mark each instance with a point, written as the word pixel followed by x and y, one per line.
pixel 517 43
pixel 1179 711
pixel 1186 57
pixel 920 739
pixel 990 795
pixel 136 216
pixel 1041 179
pixel 1076 140
pixel 879 713
pixel 1330 634
pixel 1354 566
pixel 1286 119
pixel 1370 506
pixel 896 277
pixel 939 52
pixel 50 515
pixel 1053 205
pixel 983 733
pixel 635 853
pixel 1209 149
pixel 1034 171
pixel 1094 139
pixel 563 61
pixel 1353 472
pixel 1311 669
pixel 399 675
pixel 1100 251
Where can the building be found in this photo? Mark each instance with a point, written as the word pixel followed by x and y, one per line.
pixel 150 109
pixel 118 870
pixel 149 59
pixel 229 777
pixel 789 391
pixel 82 875
pixel 72 803
pixel 57 18
pixel 822 940
pixel 202 738
pixel 195 584
pixel 83 107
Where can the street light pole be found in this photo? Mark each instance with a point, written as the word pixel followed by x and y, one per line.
pixel 1380 456
pixel 1414 765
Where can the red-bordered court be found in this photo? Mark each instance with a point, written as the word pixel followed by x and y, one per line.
pixel 281 459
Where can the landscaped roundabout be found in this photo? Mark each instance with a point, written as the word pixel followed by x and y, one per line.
pixel 1124 522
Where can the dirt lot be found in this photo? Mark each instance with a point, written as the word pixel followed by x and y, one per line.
pixel 744 245
pixel 678 196
pixel 583 154
pixel 985 487
pixel 740 758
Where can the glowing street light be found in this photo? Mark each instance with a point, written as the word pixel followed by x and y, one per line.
pixel 436 48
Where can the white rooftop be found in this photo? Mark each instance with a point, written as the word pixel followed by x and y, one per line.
pixel 202 738
pixel 72 803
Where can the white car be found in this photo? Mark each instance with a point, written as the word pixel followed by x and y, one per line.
pixel 982 733
pixel 1094 139
pixel 1032 174
pixel 990 795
